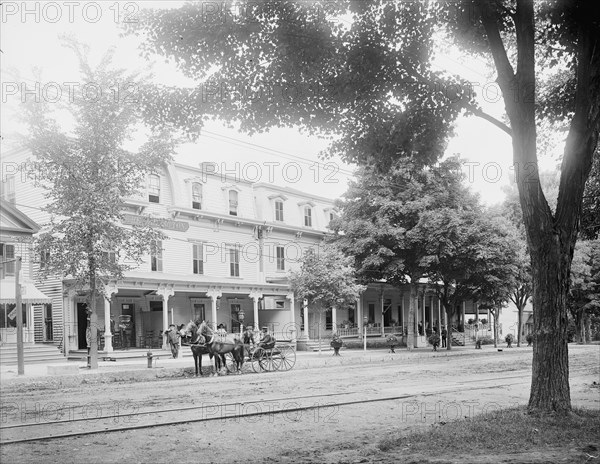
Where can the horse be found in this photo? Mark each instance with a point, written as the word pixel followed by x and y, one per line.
pixel 223 344
pixel 198 346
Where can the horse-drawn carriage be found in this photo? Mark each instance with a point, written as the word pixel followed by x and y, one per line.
pixel 237 356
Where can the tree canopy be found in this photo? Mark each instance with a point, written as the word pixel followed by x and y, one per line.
pixel 326 279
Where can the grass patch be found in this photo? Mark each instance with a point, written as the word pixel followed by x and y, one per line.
pixel 510 430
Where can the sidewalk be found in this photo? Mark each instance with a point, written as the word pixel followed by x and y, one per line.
pixel 137 369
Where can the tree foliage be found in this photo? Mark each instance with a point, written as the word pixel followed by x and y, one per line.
pixel 590 218
pixel 87 174
pixel 326 279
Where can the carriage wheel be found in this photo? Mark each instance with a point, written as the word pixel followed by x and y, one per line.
pixel 258 359
pixel 275 356
pixel 267 362
pixel 232 366
pixel 287 356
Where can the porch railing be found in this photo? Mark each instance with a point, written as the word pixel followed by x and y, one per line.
pixel 353 332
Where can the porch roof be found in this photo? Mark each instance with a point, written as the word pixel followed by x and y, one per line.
pixel 31 293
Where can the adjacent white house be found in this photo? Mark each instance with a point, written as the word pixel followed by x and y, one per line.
pixel 16 234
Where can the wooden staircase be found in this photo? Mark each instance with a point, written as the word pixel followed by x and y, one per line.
pixel 33 353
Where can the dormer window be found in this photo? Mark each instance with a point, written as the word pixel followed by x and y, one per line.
pixel 197 195
pixel 154 188
pixel 233 202
pixel 308 216
pixel 279 210
pixel 306 212
pixel 277 200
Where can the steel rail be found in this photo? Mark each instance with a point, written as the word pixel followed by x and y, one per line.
pixel 249 414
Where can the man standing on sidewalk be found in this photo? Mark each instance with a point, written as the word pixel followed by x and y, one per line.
pixel 173 337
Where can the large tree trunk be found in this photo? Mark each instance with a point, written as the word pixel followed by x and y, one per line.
pixel 550 374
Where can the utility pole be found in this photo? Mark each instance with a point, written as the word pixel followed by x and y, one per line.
pixel 19 309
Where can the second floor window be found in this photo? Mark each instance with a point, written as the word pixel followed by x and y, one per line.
pixel 156 259
pixel 198 259
pixel 234 262
pixel 233 202
pixel 279 211
pixel 154 188
pixel 280 258
pixel 308 216
pixel 197 195
pixel 7 252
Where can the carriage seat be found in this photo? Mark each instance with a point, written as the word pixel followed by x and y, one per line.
pixel 268 345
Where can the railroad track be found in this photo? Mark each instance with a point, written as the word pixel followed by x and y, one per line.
pixel 33 428
pixel 321 406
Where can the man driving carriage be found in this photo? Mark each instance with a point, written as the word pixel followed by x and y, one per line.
pixel 267 341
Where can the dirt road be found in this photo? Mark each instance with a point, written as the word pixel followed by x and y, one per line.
pixel 426 391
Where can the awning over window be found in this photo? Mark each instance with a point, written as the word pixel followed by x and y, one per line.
pixel 31 294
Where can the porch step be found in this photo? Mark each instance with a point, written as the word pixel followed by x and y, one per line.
pixel 312 345
pixel 32 353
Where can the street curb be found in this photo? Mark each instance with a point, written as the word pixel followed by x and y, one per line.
pixel 141 373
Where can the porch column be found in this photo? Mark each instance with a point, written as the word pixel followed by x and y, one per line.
pixel 359 317
pixel 213 295
pixel 109 291
pixel 305 312
pixel 290 296
pixel 382 317
pixel 439 317
pixel 431 312
pixel 165 293
pixel 476 321
pixel 423 313
pixel 334 319
pixel 462 313
pixel 69 309
pixel 255 297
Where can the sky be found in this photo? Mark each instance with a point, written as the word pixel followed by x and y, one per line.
pixel 29 39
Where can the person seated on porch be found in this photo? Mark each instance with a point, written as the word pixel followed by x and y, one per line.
pixel 267 341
